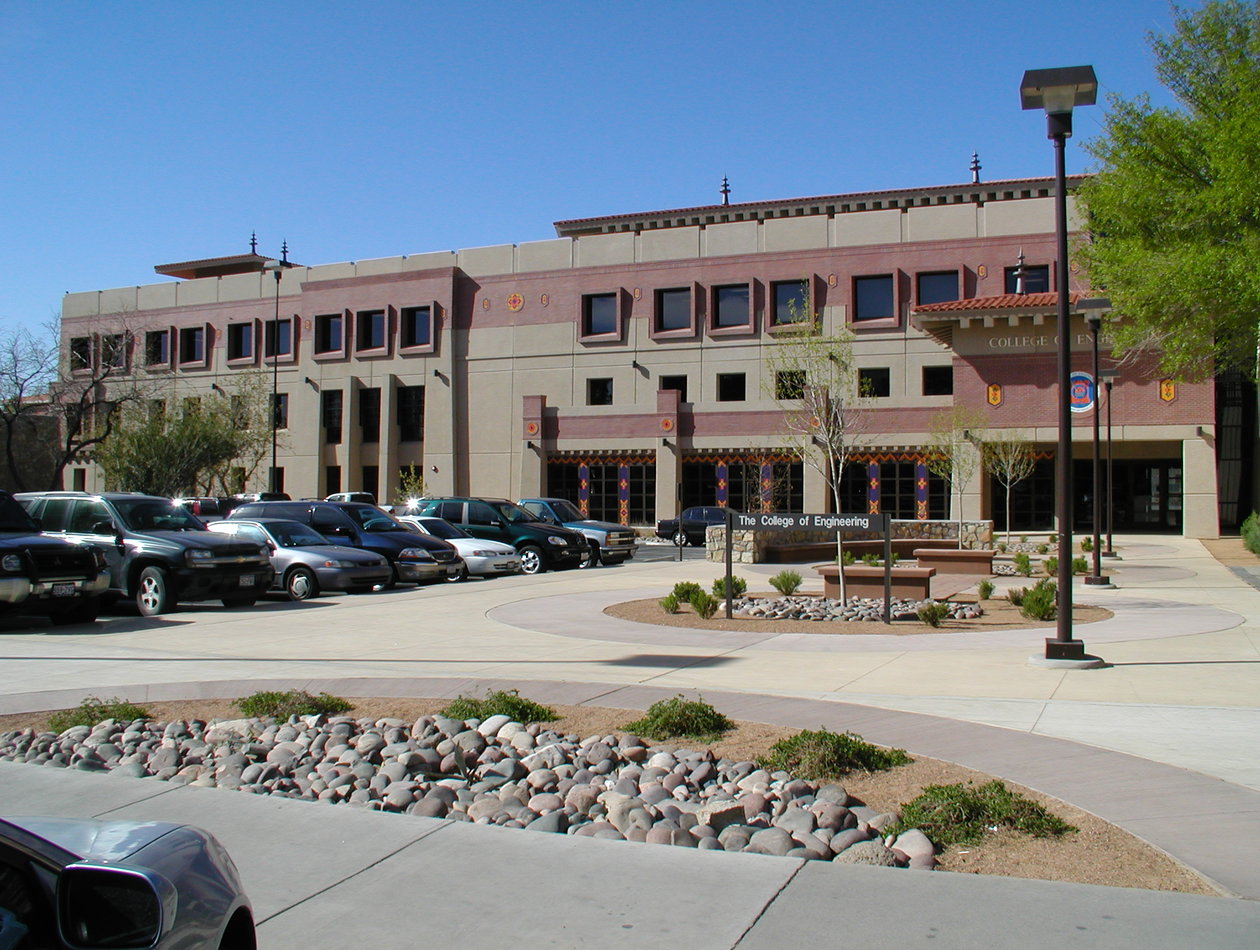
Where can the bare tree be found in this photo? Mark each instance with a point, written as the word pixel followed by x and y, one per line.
pixel 1009 457
pixel 953 452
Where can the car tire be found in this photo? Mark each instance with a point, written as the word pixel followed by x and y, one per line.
pixel 591 557
pixel 300 584
pixel 532 560
pixel 240 600
pixel 680 538
pixel 80 613
pixel 461 576
pixel 153 592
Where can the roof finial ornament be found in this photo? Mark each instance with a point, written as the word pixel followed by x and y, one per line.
pixel 975 168
pixel 284 253
pixel 253 242
pixel 1019 274
pixel 725 190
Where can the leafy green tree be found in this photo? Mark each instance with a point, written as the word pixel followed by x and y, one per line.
pixel 1174 211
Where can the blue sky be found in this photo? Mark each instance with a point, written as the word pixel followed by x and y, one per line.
pixel 141 133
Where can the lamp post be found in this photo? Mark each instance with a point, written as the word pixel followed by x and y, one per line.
pixel 1057 91
pixel 277 269
pixel 1094 308
pixel 1108 377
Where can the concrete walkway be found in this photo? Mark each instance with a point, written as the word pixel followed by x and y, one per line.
pixel 1161 742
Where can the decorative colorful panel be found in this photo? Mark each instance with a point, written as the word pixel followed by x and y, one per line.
pixel 920 491
pixel 767 487
pixel 623 494
pixel 723 472
pixel 872 488
pixel 584 489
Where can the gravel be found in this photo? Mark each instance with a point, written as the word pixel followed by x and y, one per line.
pixel 855 610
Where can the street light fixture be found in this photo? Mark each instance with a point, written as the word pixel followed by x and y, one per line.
pixel 277 269
pixel 1109 376
pixel 1058 91
pixel 1093 309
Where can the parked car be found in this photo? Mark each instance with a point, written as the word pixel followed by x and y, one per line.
pixel 40 574
pixel 694 523
pixel 202 507
pixel 609 543
pixel 412 557
pixel 481 556
pixel 158 553
pixel 541 546
pixel 306 563
pixel 365 497
pixel 78 883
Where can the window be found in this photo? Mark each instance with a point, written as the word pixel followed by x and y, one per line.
pixel 675 382
pixel 875 383
pixel 789 384
pixel 673 310
pixel 276 478
pixel 937 287
pixel 599 392
pixel 369 330
pixel 791 302
pixel 330 415
pixel 417 326
pixel 240 341
pixel 81 353
pixel 410 413
pixel 371 479
pixel 278 338
pixel 332 479
pixel 328 337
pixel 1036 279
pixel 114 351
pixel 192 345
pixel 873 298
pixel 157 348
pixel 599 314
pixel 938 380
pixel 730 387
pixel 370 415
pixel 280 410
pixel 730 306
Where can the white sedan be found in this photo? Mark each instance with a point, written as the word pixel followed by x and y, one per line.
pixel 481 556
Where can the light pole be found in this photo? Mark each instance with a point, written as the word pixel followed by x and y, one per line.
pixel 1094 308
pixel 1109 376
pixel 277 269
pixel 1057 91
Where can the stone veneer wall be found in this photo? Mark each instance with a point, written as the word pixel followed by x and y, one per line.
pixel 749 547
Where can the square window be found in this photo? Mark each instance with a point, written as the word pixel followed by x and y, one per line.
pixel 789 384
pixel 1036 279
pixel 791 302
pixel 370 415
pixel 730 387
pixel 280 410
pixel 673 310
pixel 278 338
pixel 730 306
pixel 875 383
pixel 410 413
pixel 678 383
pixel 240 341
pixel 81 353
pixel 599 392
pixel 330 415
pixel 328 338
pixel 369 330
pixel 599 314
pixel 157 348
pixel 417 326
pixel 873 298
pixel 332 479
pixel 938 380
pixel 114 351
pixel 192 345
pixel 937 287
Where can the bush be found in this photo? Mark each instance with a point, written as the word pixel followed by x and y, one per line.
pixel 1043 549
pixel 680 718
pixel 739 587
pixel 1054 539
pixel 1087 544
pixel 1038 602
pixel 684 590
pixel 1051 566
pixel 669 604
pixel 1023 564
pixel 822 755
pixel 1250 532
pixel 1080 565
pixel 786 582
pixel 500 702
pixel 847 558
pixel 870 559
pixel 961 814
pixel 1016 595
pixel 1023 539
pixel 704 605
pixel 93 710
pixel 984 590
pixel 1001 547
pixel 932 614
pixel 294 702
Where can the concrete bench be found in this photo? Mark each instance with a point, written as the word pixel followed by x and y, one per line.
pixel 863 580
pixel 956 561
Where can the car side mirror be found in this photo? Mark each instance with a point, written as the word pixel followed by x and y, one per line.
pixel 104 527
pixel 109 907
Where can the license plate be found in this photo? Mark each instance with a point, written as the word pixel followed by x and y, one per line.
pixel 247 580
pixel 63 590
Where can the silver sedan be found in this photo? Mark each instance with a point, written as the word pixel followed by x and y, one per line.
pixel 482 557
pixel 306 562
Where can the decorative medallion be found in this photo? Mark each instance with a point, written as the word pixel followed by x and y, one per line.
pixel 831 280
pixel 485 303
pixel 544 299
pixel 1167 390
pixel 667 425
pixel 515 302
pixel 994 394
pixel 982 271
pixel 531 428
pixel 638 294
pixel 1081 392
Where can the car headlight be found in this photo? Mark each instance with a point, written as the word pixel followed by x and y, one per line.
pixel 557 540
pixel 485 553
pixel 334 563
pixel 12 563
pixel 415 554
pixel 198 557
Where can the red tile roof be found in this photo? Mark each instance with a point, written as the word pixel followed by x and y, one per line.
pixel 1043 301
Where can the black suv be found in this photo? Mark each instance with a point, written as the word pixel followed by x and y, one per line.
pixel 413 556
pixel 158 552
pixel 541 546
pixel 39 574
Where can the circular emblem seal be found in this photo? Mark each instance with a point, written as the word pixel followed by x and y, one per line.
pixel 515 302
pixel 1081 392
pixel 667 425
pixel 531 428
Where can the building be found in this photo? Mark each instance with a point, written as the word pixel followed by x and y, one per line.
pixel 622 365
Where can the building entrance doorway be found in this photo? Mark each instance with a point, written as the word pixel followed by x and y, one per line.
pixel 1145 496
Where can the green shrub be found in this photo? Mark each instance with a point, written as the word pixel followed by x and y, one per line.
pixel 893 559
pixel 786 582
pixel 984 590
pixel 822 755
pixel 1023 539
pixel 1054 539
pixel 93 710
pixel 1051 566
pixel 1016 595
pixel 684 590
pixel 870 559
pixel 1080 565
pixel 500 702
pixel 847 558
pixel 1001 547
pixel 669 604
pixel 1087 544
pixel 961 814
pixel 704 605
pixel 739 587
pixel 1043 549
pixel 932 614
pixel 680 718
pixel 1250 532
pixel 1023 564
pixel 1038 602
pixel 294 702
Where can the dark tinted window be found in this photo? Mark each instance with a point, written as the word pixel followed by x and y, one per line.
pixel 872 297
pixel 13 517
pixel 673 310
pixel 730 306
pixel 791 302
pixel 599 314
pixel 937 287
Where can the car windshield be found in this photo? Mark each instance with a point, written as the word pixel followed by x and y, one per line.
pixel 373 519
pixel 566 511
pixel 513 514
pixel 440 528
pixel 155 514
pixel 294 534
pixel 13 517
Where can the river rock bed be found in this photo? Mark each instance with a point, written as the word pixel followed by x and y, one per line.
pixel 498 772
pixel 804 607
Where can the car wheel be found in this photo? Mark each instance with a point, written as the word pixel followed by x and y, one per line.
pixel 591 557
pixel 462 575
pixel 300 584
pixel 80 613
pixel 532 560
pixel 680 538
pixel 241 600
pixel 153 592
